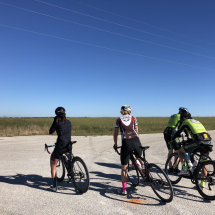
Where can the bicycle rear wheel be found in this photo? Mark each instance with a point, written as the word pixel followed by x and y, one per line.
pixel 205 179
pixel 194 157
pixel 133 174
pixel 177 166
pixel 60 170
pixel 160 183
pixel 80 175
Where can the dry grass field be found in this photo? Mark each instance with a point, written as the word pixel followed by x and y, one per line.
pixel 86 126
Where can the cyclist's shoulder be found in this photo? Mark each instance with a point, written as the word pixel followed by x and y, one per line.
pixel 177 115
pixel 191 122
pixel 68 121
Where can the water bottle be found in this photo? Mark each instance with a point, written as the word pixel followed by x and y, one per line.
pixel 138 164
pixel 187 157
pixel 143 167
pixel 194 165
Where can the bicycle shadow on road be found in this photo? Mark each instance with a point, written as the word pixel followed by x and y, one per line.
pixel 109 165
pixel 105 188
pixel 38 182
pixel 183 193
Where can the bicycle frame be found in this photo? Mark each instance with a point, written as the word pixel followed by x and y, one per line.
pixel 193 175
pixel 146 175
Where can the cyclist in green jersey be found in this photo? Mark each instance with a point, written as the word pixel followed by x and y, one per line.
pixel 198 134
pixel 172 126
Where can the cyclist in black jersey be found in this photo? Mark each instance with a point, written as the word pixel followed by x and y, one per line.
pixel 63 128
pixel 129 132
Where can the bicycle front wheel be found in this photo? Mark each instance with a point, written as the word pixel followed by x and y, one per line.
pixel 205 179
pixel 176 164
pixel 60 170
pixel 80 175
pixel 132 173
pixel 160 183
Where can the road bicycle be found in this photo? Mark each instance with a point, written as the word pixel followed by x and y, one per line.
pixel 152 175
pixel 76 169
pixel 202 175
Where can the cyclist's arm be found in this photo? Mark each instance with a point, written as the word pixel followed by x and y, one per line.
pixel 186 133
pixel 53 127
pixel 182 128
pixel 136 129
pixel 178 133
pixel 115 136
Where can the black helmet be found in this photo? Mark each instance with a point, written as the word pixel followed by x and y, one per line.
pixel 185 114
pixel 183 109
pixel 60 111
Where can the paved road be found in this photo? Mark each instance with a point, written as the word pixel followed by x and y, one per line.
pixel 25 178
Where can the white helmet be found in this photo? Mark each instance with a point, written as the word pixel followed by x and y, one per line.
pixel 126 108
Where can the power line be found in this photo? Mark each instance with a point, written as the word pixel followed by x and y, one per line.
pixel 110 31
pixel 118 24
pixel 138 21
pixel 125 52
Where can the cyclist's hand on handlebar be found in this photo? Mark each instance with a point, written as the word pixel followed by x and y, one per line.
pixel 114 147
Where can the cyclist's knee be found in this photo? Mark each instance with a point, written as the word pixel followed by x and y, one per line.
pixel 124 167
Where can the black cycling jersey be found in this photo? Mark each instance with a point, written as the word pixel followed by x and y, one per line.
pixel 63 132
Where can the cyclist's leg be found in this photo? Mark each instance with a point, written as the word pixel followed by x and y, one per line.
pixel 53 163
pixel 188 148
pixel 124 163
pixel 55 156
pixel 167 138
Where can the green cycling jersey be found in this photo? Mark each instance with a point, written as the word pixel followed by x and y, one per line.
pixel 195 128
pixel 173 121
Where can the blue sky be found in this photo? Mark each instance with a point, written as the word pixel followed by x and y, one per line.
pixel 92 57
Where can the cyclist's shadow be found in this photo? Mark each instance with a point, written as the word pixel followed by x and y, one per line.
pixel 37 182
pixel 34 181
pixel 105 188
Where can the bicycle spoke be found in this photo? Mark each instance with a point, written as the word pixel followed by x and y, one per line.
pixel 60 170
pixel 160 183
pixel 176 164
pixel 133 175
pixel 205 180
pixel 80 175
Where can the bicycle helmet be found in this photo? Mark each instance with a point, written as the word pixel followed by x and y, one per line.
pixel 126 108
pixel 60 111
pixel 183 109
pixel 185 114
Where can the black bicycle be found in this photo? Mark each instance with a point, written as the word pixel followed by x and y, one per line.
pixel 76 169
pixel 152 175
pixel 202 175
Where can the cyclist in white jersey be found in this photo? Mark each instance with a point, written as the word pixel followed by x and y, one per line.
pixel 129 132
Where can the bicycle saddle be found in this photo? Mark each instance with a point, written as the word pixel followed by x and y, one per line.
pixel 205 142
pixel 144 147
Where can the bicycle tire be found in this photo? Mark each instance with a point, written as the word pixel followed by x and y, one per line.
pixel 60 170
pixel 207 189
pixel 160 183
pixel 133 174
pixel 80 175
pixel 173 177
pixel 194 157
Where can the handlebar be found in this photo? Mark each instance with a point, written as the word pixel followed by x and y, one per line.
pixel 46 147
pixel 116 149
